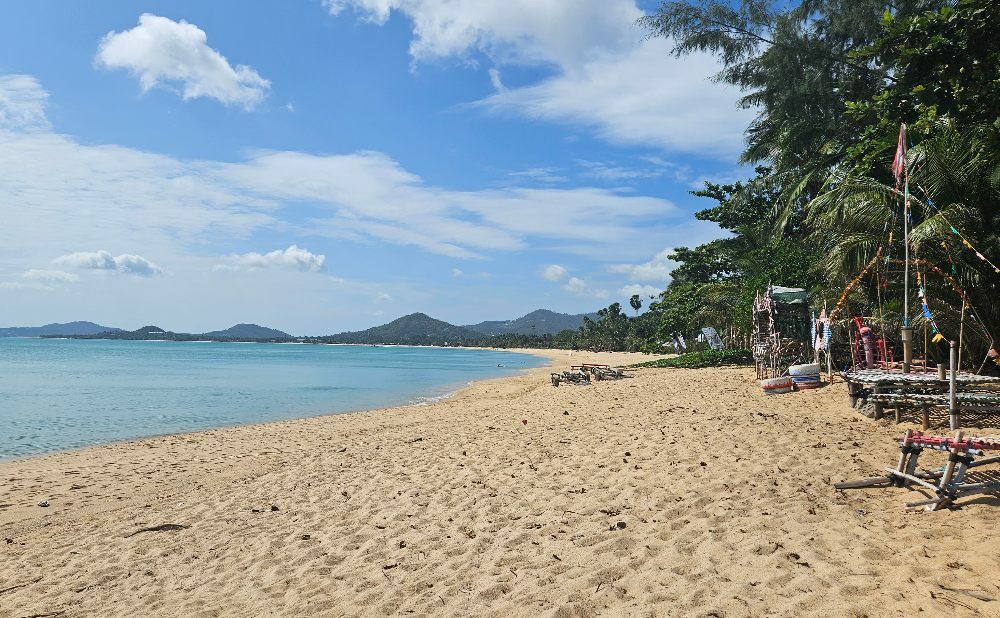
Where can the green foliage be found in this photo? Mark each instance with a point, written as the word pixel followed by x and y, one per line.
pixel 831 80
pixel 944 65
pixel 704 358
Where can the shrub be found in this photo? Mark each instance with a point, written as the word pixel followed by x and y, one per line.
pixel 705 358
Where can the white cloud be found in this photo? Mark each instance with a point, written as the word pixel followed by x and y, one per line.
pixel 522 31
pixel 293 257
pixel 554 272
pixel 61 195
pixel 160 51
pixel 383 297
pixel 610 77
pixel 102 260
pixel 656 270
pixel 51 181
pixel 50 276
pixel 643 96
pixel 22 103
pixel 363 192
pixel 580 287
pixel 644 291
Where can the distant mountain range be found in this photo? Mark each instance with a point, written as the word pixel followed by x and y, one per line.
pixel 413 329
pixel 70 328
pixel 240 332
pixel 421 329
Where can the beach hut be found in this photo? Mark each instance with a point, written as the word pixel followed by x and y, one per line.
pixel 782 330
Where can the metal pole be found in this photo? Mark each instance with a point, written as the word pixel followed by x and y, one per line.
pixel 961 332
pixel 953 387
pixel 906 233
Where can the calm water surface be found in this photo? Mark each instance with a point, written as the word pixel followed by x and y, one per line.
pixel 58 394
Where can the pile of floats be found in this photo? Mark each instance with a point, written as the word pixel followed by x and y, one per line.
pixel 799 378
pixel 583 374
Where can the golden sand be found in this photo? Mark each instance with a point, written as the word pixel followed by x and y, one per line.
pixel 723 495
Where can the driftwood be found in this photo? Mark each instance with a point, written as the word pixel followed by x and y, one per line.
pixel 34 581
pixel 159 528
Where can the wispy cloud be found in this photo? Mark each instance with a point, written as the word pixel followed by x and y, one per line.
pixel 581 287
pixel 458 273
pixel 547 175
pixel 165 204
pixel 22 104
pixel 644 291
pixel 656 270
pixel 50 276
pixel 554 272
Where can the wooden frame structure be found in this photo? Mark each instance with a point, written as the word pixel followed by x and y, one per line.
pixel 954 391
pixel 951 481
pixel 781 330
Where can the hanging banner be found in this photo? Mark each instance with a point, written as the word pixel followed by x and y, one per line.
pixel 713 338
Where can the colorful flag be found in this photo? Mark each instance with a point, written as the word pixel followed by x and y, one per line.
pixel 899 161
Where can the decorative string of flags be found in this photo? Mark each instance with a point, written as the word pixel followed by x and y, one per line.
pixel 854 282
pixel 965 242
pixel 922 293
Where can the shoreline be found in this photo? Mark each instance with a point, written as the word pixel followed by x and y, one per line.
pixel 429 401
pixel 504 499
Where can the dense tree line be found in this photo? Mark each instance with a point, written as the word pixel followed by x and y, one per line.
pixel 831 82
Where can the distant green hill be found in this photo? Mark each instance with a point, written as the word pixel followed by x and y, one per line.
pixel 54 330
pixel 540 322
pixel 535 328
pixel 413 329
pixel 240 332
pixel 247 331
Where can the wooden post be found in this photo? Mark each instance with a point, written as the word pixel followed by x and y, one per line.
pixel 904 451
pixel 949 471
pixel 879 408
pixel 925 416
pixel 953 387
pixel 852 393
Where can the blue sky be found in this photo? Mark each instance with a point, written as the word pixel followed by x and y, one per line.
pixel 318 166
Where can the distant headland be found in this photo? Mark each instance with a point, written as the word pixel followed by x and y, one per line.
pixel 538 327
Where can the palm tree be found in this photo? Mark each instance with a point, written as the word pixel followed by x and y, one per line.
pixel 955 199
pixel 636 303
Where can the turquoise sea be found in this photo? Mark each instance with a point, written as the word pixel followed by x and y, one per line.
pixel 58 394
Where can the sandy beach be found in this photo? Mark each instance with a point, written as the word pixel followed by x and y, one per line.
pixel 674 493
